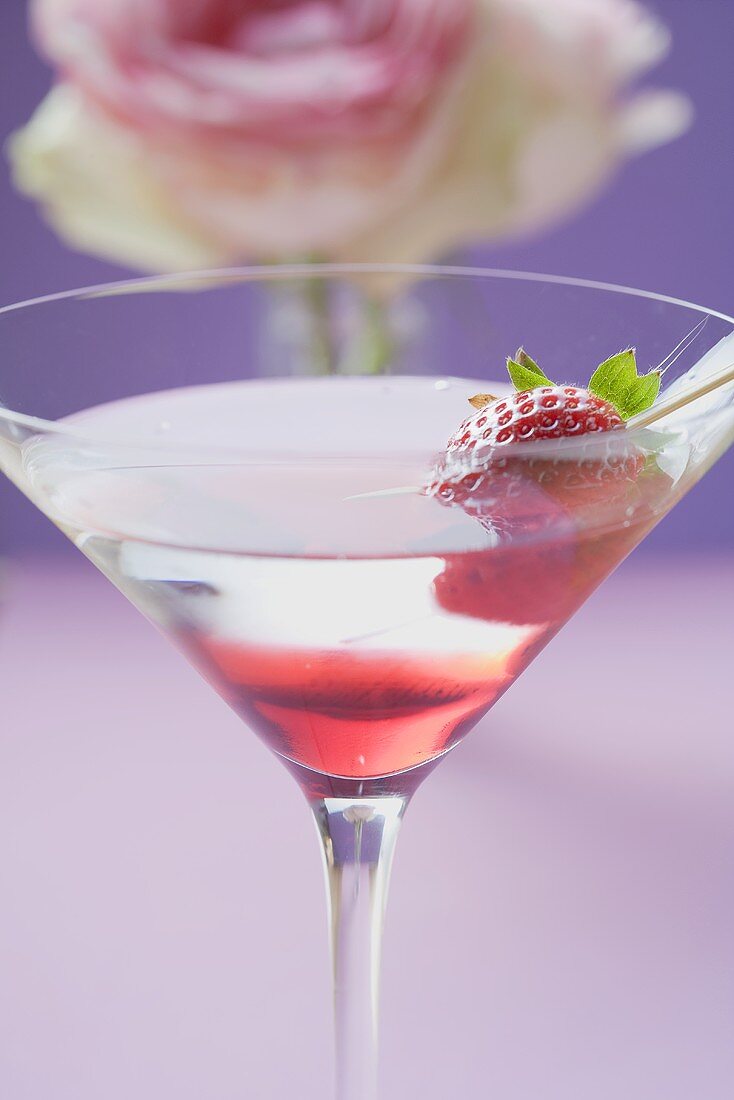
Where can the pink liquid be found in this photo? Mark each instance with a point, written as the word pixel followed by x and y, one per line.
pixel 353 715
pixel 361 714
pixel 359 637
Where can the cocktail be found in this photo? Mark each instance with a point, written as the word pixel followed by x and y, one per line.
pixel 361 564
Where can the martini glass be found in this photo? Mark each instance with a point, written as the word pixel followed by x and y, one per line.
pixel 273 526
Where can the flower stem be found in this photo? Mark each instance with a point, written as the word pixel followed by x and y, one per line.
pixel 379 343
pixel 324 358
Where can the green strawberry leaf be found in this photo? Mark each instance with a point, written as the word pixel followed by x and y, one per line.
pixel 525 361
pixel 617 381
pixel 525 372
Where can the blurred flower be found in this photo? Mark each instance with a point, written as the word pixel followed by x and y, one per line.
pixel 202 133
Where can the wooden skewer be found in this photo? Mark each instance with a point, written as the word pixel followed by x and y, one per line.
pixel 684 397
pixel 398 491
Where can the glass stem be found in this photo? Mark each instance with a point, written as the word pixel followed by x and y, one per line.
pixel 358 839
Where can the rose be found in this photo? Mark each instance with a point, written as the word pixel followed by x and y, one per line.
pixel 184 135
pixel 202 132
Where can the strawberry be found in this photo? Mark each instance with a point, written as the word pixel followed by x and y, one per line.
pixel 511 584
pixel 540 508
pixel 546 412
pixel 483 471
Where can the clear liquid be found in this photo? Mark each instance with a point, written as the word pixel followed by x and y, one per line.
pixel 358 636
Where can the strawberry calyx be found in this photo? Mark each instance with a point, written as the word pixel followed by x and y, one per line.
pixel 616 381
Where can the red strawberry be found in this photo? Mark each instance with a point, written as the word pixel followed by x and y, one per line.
pixel 543 508
pixel 510 584
pixel 483 471
pixel 546 412
pixel 478 470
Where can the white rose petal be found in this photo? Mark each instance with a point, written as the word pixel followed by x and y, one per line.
pixel 94 181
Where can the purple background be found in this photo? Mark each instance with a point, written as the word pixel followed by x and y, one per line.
pixel 666 223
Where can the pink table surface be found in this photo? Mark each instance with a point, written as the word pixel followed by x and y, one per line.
pixel 560 925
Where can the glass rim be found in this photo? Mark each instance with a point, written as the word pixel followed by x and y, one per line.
pixel 198 279
pixel 275 272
